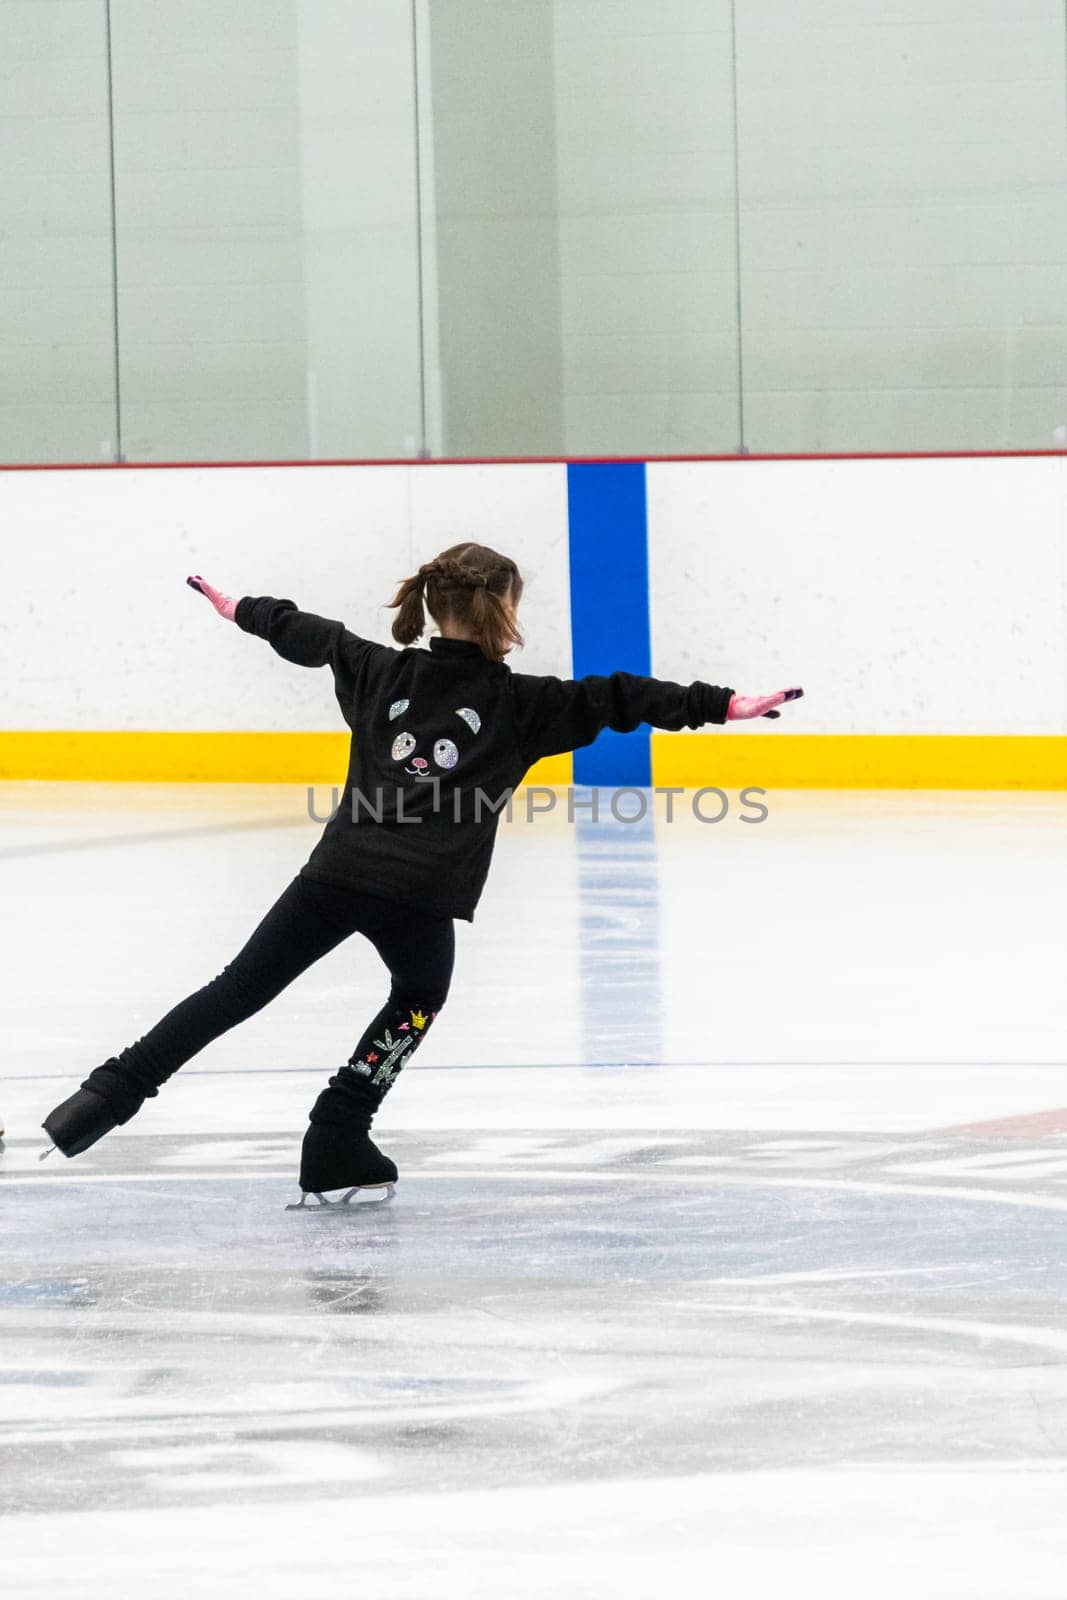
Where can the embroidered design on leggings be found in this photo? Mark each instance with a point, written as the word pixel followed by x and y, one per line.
pixel 382 1071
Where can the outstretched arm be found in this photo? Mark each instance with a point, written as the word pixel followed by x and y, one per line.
pixel 559 714
pixel 556 715
pixel 298 636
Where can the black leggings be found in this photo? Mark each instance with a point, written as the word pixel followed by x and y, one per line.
pixel 307 921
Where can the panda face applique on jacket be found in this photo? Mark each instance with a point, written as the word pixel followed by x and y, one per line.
pixel 430 755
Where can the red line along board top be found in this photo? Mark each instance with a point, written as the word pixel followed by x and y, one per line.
pixel 526 461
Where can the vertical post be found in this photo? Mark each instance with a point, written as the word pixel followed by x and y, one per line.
pixel 608 526
pixel 114 234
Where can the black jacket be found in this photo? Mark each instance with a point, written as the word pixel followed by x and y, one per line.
pixel 440 737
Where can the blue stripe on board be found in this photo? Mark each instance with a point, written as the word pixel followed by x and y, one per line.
pixel 609 603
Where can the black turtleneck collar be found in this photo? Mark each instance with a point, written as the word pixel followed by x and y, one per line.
pixel 454 647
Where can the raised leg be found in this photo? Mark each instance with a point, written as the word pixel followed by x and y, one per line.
pixel 305 922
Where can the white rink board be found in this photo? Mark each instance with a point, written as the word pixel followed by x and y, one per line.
pixel 916 596
pixel 919 596
pixel 101 631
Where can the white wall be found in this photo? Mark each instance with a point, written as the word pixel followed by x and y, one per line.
pixel 209 251
pixel 887 224
pixel 647 226
pixel 922 596
pixel 903 193
pixel 359 227
pixel 56 327
pixel 102 632
pixel 874 257
pixel 265 231
pixel 494 232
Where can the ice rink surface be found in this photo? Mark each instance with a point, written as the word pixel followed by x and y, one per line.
pixel 727 1257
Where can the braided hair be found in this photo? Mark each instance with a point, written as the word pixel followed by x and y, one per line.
pixel 465 585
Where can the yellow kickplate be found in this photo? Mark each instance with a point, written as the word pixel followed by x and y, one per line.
pixel 860 761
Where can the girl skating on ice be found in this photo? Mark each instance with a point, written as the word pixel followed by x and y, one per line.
pixel 440 738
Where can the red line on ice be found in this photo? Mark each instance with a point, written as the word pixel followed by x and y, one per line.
pixel 1034 1123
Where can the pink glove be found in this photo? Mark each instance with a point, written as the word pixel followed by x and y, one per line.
pixel 742 706
pixel 223 604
